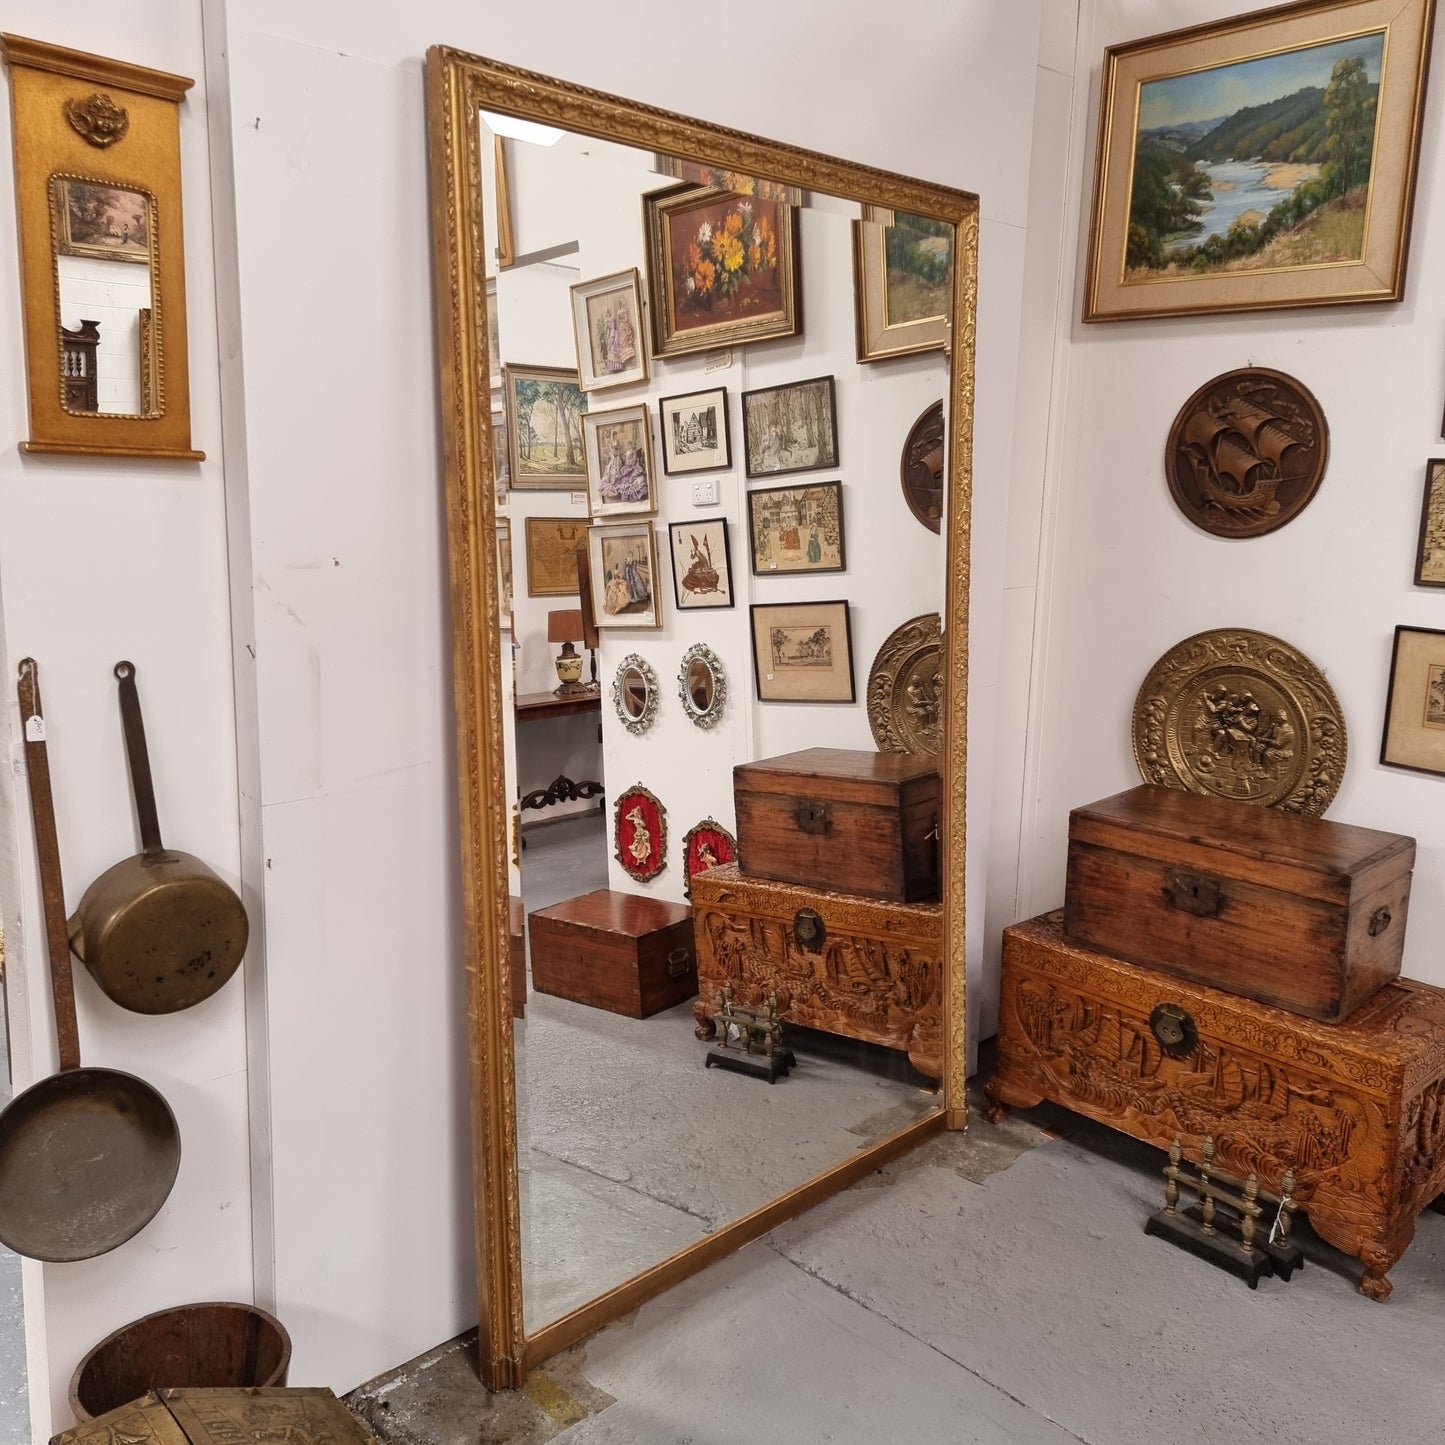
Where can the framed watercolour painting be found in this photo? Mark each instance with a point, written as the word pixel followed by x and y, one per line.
pixel 607 323
pixel 619 461
pixel 902 283
pixel 543 408
pixel 695 436
pixel 552 547
pixel 1415 702
pixel 639 829
pixel 722 269
pixel 1430 559
pixel 1263 161
pixel 623 565
pixel 790 428
pixel 802 652
pixel 702 569
pixel 796 529
pixel 111 223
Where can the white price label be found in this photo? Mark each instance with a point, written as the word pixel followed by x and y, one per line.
pixel 579 499
pixel 35 728
pixel 718 360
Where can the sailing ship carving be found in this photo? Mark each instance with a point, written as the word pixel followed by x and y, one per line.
pixel 1236 447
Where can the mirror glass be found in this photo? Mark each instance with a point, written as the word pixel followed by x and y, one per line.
pixel 780 467
pixel 104 254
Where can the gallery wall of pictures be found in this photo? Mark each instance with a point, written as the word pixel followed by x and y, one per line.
pixel 795 530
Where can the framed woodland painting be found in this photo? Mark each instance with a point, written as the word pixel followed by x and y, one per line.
pixel 702 568
pixel 722 269
pixel 1430 559
pixel 790 428
pixel 619 461
pixel 1415 702
pixel 542 408
pixel 796 529
pixel 902 283
pixel 553 544
pixel 607 324
pixel 695 435
pixel 1263 161
pixel 623 569
pixel 802 652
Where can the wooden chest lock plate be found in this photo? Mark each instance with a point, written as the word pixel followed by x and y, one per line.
pixel 1356 1109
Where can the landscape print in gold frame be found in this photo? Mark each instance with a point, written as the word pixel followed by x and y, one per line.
pixel 1430 559
pixel 722 269
pixel 802 652
pixel 543 406
pixel 902 283
pixel 101 220
pixel 553 544
pixel 1263 161
pixel 1415 702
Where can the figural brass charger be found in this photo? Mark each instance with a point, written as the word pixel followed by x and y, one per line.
pixel 905 689
pixel 1247 452
pixel 1239 714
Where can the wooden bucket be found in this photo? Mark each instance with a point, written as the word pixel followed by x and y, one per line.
pixel 214 1345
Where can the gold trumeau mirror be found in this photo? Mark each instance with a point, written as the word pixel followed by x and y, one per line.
pixel 98 201
pixel 581 1117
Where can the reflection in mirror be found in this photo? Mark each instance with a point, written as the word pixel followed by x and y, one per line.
pixel 634 694
pixel 104 244
pixel 702 685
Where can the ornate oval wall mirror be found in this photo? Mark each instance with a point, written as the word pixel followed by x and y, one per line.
pixel 634 693
pixel 590 289
pixel 702 685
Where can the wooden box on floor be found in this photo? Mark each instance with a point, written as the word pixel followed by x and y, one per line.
pixel 855 822
pixel 868 969
pixel 623 952
pixel 1298 912
pixel 1356 1109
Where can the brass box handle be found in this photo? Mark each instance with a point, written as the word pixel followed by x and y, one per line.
pixel 1195 893
pixel 1379 921
pixel 678 962
pixel 815 818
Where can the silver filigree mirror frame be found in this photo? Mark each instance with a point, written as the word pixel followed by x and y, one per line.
pixel 708 716
pixel 635 725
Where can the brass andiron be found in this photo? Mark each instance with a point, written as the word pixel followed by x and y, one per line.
pixel 749 1041
pixel 1231 1239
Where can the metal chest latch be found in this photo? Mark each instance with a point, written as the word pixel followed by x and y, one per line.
pixel 809 930
pixel 814 817
pixel 1174 1030
pixel 1195 893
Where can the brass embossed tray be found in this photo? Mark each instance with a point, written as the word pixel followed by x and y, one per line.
pixel 1240 714
pixel 905 689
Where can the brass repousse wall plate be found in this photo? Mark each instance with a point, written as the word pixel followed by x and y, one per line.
pixel 98 198
pixel 1240 714
pixel 1247 452
pixel 905 689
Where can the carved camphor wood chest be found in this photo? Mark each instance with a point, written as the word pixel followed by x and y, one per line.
pixel 855 966
pixel 855 822
pixel 1298 912
pixel 1357 1109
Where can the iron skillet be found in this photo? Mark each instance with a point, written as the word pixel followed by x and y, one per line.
pixel 87 1156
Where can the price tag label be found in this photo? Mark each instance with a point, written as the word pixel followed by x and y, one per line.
pixel 718 360
pixel 35 728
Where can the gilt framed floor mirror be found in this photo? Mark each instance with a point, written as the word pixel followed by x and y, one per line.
pixel 657 268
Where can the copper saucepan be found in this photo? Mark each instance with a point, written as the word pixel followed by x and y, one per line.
pixel 87 1156
pixel 159 931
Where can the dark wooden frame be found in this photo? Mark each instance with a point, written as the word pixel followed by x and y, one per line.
pixel 842 602
pixel 1400 630
pixel 727 461
pixel 789 386
pixel 842 566
pixel 1433 478
pixel 727 563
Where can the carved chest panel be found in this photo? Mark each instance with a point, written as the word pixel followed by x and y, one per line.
pixel 1357 1109
pixel 854 966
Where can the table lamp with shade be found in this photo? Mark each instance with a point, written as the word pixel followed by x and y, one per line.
pixel 565 626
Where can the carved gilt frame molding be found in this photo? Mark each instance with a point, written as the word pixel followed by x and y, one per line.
pixel 458 87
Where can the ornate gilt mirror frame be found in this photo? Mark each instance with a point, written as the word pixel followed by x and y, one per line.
pixel 459 86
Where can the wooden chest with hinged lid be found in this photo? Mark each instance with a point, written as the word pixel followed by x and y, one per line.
pixel 860 967
pixel 1356 1109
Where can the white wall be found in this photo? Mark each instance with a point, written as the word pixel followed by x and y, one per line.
pixel 99 560
pixel 1105 574
pixel 370 1156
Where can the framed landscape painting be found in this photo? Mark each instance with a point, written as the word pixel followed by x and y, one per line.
pixel 607 323
pixel 543 408
pixel 802 652
pixel 1259 162
pixel 902 283
pixel 94 218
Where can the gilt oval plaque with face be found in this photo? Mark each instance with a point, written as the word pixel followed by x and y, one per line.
pixel 1247 452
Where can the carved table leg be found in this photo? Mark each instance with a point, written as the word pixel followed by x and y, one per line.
pixel 1378 1262
pixel 1002 1095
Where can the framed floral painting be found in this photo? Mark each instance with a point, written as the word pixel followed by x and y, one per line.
pixel 721 179
pixel 722 269
pixel 607 324
pixel 619 461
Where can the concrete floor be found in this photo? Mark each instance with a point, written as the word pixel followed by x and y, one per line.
pixel 14 1400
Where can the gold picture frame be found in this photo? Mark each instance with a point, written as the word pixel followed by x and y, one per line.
pixel 1414 734
pixel 896 286
pixel 1319 211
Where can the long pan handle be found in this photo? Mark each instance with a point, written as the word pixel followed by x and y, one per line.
pixel 47 846
pixel 140 761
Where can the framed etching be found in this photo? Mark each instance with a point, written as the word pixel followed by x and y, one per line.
pixel 702 567
pixel 722 268
pixel 790 428
pixel 1262 161
pixel 796 529
pixel 1415 702
pixel 552 547
pixel 802 652
pixel 1430 557
pixel 639 833
pixel 607 324
pixel 902 283
pixel 695 434
pixel 619 461
pixel 623 566
pixel 543 408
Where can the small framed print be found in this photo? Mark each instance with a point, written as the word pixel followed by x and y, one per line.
pixel 607 322
pixel 1430 561
pixel 1415 702
pixel 695 436
pixel 623 567
pixel 790 428
pixel 504 566
pixel 501 460
pixel 543 408
pixel 796 529
pixel 552 547
pixel 702 568
pixel 802 652
pixel 618 444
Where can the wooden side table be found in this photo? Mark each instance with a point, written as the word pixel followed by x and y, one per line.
pixel 1356 1108
pixel 538 707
